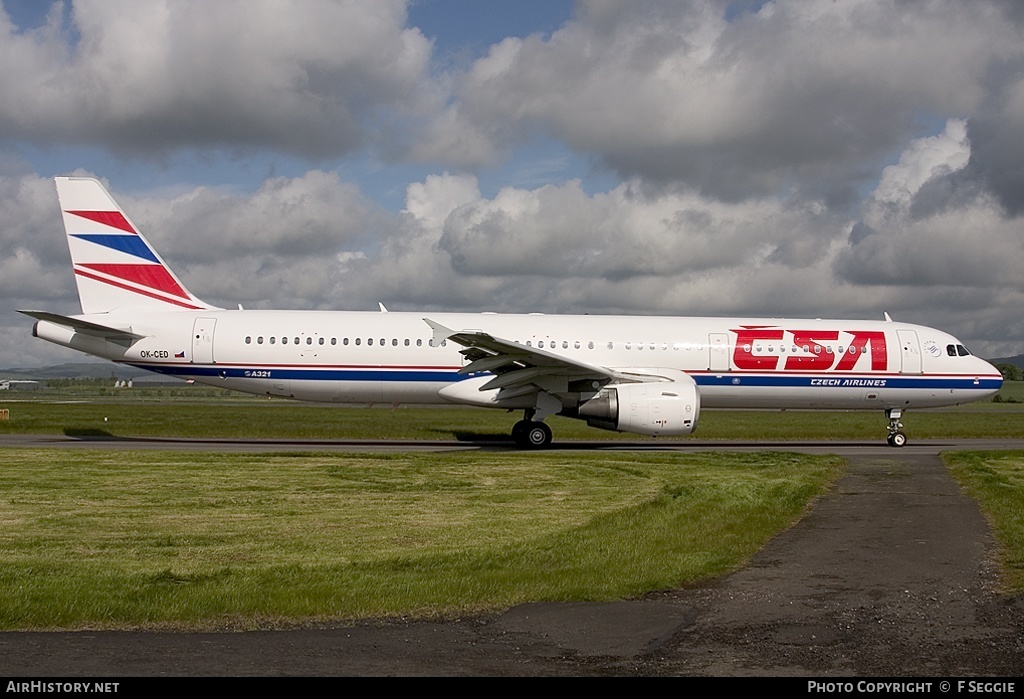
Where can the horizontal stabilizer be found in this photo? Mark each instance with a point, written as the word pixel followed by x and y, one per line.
pixel 85 327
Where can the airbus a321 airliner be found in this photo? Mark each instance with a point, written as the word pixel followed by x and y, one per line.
pixel 644 375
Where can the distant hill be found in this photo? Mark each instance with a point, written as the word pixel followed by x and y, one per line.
pixel 1017 361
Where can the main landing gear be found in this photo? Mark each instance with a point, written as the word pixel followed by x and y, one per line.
pixel 531 434
pixel 896 437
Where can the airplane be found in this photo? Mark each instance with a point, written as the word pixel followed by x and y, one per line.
pixel 642 375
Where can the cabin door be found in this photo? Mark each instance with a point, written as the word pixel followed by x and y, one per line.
pixel 910 351
pixel 202 340
pixel 718 344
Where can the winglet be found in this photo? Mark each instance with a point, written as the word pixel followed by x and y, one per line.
pixel 441 333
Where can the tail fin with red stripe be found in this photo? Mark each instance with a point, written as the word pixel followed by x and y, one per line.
pixel 115 266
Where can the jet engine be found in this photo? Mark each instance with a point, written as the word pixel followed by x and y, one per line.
pixel 667 408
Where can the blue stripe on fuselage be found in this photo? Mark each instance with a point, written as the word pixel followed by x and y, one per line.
pixel 863 381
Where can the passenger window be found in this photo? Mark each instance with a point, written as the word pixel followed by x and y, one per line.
pixel 394 342
pixel 359 341
pixel 309 340
pixel 419 342
pixel 273 339
pixel 259 340
pixel 248 339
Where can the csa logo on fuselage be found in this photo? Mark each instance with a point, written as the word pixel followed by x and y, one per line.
pixel 810 350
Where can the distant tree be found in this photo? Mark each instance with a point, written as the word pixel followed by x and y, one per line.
pixel 1010 372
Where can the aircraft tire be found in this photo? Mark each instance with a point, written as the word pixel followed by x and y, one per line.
pixel 537 436
pixel 519 433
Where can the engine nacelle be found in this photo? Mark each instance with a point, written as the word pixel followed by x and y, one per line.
pixel 669 408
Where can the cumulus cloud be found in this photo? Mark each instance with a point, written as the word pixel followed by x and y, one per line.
pixel 772 159
pixel 805 93
pixel 154 76
pixel 903 241
pixel 275 247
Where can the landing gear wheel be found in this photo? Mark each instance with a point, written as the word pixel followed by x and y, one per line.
pixel 530 434
pixel 897 439
pixel 538 436
pixel 519 432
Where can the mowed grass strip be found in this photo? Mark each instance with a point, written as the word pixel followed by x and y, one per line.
pixel 278 419
pixel 996 480
pixel 117 539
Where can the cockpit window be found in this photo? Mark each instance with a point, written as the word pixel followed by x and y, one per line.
pixel 962 351
pixel 951 350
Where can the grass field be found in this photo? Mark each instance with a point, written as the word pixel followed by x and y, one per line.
pixel 996 481
pixel 183 540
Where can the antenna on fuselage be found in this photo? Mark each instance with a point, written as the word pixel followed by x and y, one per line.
pixel 887 318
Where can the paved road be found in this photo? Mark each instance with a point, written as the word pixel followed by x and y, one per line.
pixel 890 574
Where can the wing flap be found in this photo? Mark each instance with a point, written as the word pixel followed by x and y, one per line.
pixel 520 366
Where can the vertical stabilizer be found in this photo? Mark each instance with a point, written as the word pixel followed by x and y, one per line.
pixel 115 266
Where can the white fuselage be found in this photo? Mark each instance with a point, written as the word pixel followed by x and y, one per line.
pixel 357 357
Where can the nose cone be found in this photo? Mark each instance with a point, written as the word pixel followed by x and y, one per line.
pixel 989 376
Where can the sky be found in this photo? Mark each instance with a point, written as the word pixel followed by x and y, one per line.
pixel 796 158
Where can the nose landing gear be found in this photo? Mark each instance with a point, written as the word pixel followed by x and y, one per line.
pixel 896 436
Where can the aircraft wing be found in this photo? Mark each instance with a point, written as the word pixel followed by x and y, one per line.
pixel 520 369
